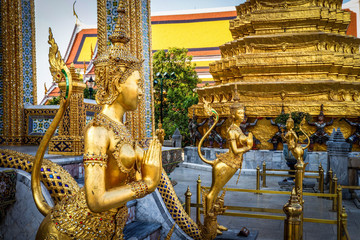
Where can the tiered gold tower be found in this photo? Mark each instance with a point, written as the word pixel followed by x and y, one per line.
pixel 287 52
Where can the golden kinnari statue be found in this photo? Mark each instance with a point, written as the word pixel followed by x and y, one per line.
pixel 297 150
pixel 292 140
pixel 116 168
pixel 224 167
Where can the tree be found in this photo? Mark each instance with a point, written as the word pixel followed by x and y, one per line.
pixel 87 93
pixel 178 93
pixel 54 101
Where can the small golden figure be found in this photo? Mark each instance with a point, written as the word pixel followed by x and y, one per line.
pixel 292 140
pixel 116 168
pixel 226 164
pixel 160 133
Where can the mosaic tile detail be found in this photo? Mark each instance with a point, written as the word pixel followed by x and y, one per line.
pixel 39 125
pixel 89 118
pixel 1 81
pixel 111 17
pixel 147 69
pixel 27 54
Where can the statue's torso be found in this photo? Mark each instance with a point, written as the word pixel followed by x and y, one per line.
pixel 230 158
pixel 320 127
pixel 124 156
pixel 72 214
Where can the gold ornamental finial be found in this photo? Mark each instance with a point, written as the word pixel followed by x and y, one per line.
pixel 117 61
pixel 58 68
pixel 236 95
pixel 84 67
pixel 74 13
pixel 121 31
pixel 92 51
pixel 46 90
pixel 236 105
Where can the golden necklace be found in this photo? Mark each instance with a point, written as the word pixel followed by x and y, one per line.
pixel 122 136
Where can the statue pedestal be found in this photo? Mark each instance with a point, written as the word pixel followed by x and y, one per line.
pixel 233 234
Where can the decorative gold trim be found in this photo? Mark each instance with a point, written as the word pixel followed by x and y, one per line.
pixel 12 72
pixel 33 30
pixel 101 30
pixel 151 71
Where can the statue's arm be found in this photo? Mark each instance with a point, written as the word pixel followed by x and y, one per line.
pixel 254 123
pixel 272 122
pixel 330 123
pixel 220 123
pixel 348 121
pixel 99 198
pixel 202 123
pixel 233 145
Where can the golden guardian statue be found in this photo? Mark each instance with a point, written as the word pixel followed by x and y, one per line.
pixel 292 140
pixel 225 166
pixel 116 168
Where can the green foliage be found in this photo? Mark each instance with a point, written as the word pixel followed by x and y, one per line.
pixel 54 101
pixel 296 116
pixel 178 94
pixel 87 93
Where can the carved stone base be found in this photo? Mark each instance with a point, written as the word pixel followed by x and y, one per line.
pixel 66 145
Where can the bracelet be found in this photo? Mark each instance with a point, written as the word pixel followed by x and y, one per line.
pixel 92 159
pixel 139 188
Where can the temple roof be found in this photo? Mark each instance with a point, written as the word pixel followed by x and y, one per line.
pixel 201 31
pixel 82 43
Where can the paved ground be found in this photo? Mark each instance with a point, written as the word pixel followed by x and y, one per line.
pixel 268 229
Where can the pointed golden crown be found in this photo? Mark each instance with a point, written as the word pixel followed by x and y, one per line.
pixel 117 63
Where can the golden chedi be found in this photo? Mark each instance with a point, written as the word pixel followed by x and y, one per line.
pixel 294 53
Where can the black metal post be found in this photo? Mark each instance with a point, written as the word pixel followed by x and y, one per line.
pixel 161 100
pixel 162 77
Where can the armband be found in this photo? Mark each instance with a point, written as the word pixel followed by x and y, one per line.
pixel 92 159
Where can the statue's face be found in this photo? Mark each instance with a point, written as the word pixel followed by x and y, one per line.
pixel 321 118
pixel 239 114
pixel 130 92
pixel 289 125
